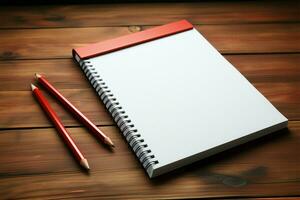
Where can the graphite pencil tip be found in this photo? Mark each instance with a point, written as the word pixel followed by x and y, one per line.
pixel 33 87
pixel 108 141
pixel 84 163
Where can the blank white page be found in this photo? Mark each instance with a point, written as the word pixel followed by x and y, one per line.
pixel 183 96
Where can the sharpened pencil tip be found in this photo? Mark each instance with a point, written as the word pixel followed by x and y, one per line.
pixel 84 163
pixel 33 87
pixel 37 76
pixel 108 141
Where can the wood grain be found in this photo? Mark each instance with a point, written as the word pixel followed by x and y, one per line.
pixel 260 38
pixel 65 73
pixel 62 73
pixel 228 39
pixel 226 12
pixel 19 109
pixel 262 68
pixel 36 164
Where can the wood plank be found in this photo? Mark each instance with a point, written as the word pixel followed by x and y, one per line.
pixel 18 109
pixel 224 12
pixel 262 68
pixel 228 39
pixel 65 73
pixel 35 164
pixel 62 73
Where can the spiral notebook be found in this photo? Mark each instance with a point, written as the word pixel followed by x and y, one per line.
pixel 174 97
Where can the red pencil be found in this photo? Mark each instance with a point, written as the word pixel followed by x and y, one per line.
pixel 59 126
pixel 83 119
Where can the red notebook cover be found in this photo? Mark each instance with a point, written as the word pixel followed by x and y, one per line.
pixel 132 39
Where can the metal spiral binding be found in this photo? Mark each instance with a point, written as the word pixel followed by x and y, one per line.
pixel 131 134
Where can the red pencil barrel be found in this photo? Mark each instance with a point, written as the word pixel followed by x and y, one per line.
pixel 58 124
pixel 83 119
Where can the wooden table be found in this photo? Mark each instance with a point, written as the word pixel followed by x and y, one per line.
pixel 262 39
